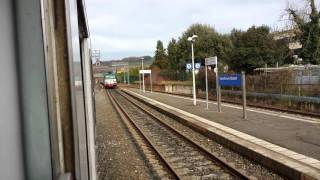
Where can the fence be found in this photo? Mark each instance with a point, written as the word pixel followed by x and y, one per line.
pixel 275 90
pixel 282 82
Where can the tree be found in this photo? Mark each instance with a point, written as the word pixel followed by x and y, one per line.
pixel 160 56
pixel 209 43
pixel 173 59
pixel 255 48
pixel 308 32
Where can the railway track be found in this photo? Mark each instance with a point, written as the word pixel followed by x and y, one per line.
pixel 183 153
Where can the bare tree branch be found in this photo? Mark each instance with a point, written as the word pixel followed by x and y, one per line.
pixel 296 18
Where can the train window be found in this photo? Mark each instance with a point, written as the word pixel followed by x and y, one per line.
pixel 77 92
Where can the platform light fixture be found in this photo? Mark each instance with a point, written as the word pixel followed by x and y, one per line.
pixel 192 39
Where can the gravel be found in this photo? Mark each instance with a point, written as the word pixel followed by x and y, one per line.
pixel 180 153
pixel 118 157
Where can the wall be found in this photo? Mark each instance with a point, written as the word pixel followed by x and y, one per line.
pixel 178 89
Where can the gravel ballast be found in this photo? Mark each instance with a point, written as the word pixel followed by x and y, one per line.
pixel 118 156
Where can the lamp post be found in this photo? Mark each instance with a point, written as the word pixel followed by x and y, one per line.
pixel 192 40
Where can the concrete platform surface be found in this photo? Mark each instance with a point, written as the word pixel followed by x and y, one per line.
pixel 294 132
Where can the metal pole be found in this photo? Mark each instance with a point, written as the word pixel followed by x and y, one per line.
pixel 193 78
pixel 220 99
pixel 143 87
pixel 124 75
pixel 207 98
pixel 151 82
pixel 140 75
pixel 117 74
pixel 140 82
pixel 265 74
pixel 244 95
pixel 218 88
pixel 300 73
pixel 128 74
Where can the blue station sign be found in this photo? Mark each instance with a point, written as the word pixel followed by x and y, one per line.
pixel 188 66
pixel 231 80
pixel 197 65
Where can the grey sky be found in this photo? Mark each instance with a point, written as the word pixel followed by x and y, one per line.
pixel 121 28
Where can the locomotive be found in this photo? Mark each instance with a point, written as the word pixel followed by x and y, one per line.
pixel 109 80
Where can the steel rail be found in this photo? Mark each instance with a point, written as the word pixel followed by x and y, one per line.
pixel 237 172
pixel 124 115
pixel 153 107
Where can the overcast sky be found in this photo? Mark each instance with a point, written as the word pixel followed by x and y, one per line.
pixel 122 28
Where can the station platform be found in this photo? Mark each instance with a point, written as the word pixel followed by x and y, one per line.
pixel 294 132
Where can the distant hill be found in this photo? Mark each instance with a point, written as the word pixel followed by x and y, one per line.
pixel 106 66
pixel 133 61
